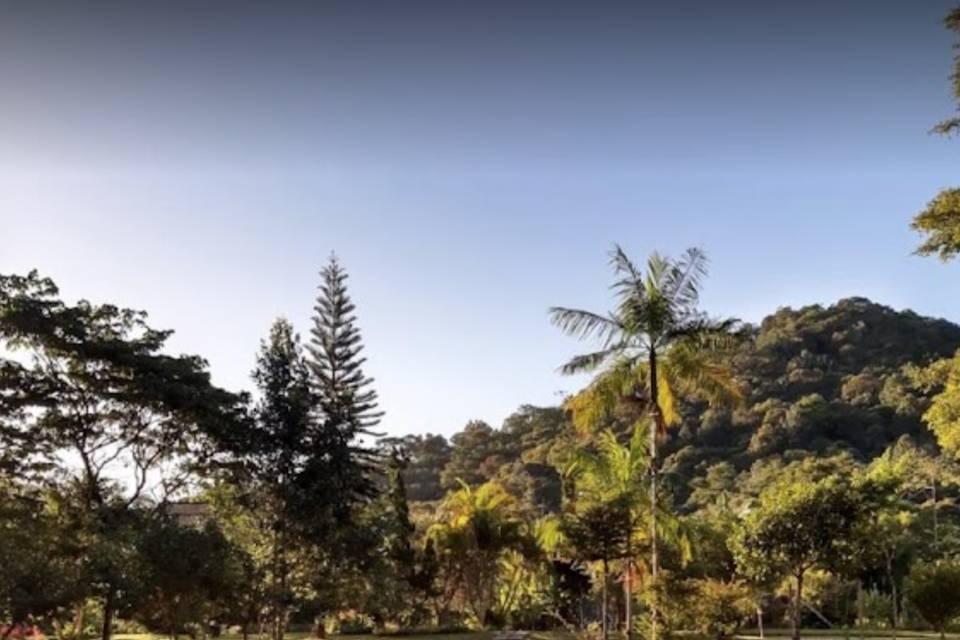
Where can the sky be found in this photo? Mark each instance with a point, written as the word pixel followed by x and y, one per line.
pixel 471 163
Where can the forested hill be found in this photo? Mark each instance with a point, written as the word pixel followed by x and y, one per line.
pixel 819 379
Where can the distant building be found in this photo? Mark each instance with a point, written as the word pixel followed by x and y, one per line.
pixel 190 514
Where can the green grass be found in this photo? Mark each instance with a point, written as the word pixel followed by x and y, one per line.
pixel 845 634
pixel 747 634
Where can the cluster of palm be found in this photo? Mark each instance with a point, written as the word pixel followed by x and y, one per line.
pixel 489 555
pixel 656 346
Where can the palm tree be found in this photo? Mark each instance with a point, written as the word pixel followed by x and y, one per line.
pixel 656 344
pixel 612 473
pixel 475 528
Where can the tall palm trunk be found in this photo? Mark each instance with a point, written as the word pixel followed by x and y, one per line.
pixel 654 552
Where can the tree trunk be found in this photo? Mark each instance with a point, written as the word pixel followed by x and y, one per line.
pixel 936 508
pixel 319 628
pixel 797 599
pixel 894 597
pixel 628 594
pixel 860 606
pixel 78 618
pixel 108 605
pixel 654 552
pixel 760 619
pixel 603 601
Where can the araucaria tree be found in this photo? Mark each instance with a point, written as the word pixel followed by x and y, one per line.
pixel 655 345
pixel 346 402
pixel 343 477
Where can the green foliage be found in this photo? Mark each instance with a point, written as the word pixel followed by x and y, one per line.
pixel 190 576
pixel 38 578
pixel 426 457
pixel 943 415
pixel 721 607
pixel 98 381
pixel 940 220
pixel 934 589
pixel 822 380
pixel 940 223
pixel 477 529
pixel 799 525
pixel 346 402
pixel 952 22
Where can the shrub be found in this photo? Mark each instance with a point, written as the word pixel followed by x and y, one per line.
pixel 934 590
pixel 721 607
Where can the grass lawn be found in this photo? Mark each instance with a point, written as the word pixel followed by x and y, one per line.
pixel 747 634
pixel 845 634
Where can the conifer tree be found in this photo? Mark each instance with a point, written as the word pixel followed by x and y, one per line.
pixel 346 404
pixel 281 446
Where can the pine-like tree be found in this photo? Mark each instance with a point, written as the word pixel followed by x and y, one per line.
pixel 280 448
pixel 346 403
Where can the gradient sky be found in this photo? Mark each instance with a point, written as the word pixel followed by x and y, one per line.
pixel 471 163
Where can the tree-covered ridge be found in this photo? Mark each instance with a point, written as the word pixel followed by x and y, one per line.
pixel 818 380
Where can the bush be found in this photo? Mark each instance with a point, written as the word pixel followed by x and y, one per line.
pixel 721 607
pixel 934 590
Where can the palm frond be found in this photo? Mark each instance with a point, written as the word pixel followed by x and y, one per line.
pixel 582 324
pixel 594 406
pixel 701 373
pixel 682 279
pixel 589 362
pixel 632 281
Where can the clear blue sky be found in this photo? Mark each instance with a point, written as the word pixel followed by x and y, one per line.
pixel 471 163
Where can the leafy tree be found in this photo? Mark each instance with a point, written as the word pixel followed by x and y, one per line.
pixel 426 456
pixel 934 589
pixel 38 575
pixel 190 576
pixel 475 456
pixel 721 607
pixel 655 345
pixel 92 382
pixel 402 580
pixel 280 445
pixel 940 221
pixel 599 533
pixel 615 474
pixel 797 526
pixel 943 415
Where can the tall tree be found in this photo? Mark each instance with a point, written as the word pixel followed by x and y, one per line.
pixel 615 473
pixel 656 344
pixel 342 476
pixel 799 525
pixel 282 442
pixel 346 402
pixel 598 533
pixel 92 382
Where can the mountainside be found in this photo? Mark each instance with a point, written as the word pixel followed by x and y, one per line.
pixel 819 380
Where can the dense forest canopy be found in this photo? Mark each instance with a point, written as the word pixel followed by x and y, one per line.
pixel 821 380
